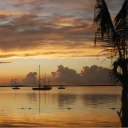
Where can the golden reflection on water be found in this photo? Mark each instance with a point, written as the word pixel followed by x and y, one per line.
pixel 72 107
pixel 65 120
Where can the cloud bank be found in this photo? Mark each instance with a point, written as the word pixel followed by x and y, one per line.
pixel 88 76
pixel 49 28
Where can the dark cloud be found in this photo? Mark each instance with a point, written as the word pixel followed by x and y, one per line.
pixel 65 71
pixel 4 17
pixel 30 31
pixel 96 75
pixel 31 79
pixel 53 74
pixel 89 75
pixel 14 82
pixel 33 24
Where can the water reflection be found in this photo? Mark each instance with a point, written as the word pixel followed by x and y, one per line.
pixel 66 99
pixel 32 97
pixel 39 102
pixel 99 100
pixel 51 108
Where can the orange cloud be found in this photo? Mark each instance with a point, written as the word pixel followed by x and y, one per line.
pixel 56 29
pixel 6 62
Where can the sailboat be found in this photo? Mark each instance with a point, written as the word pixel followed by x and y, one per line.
pixel 15 85
pixel 40 88
pixel 61 87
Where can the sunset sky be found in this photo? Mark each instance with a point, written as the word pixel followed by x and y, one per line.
pixel 57 35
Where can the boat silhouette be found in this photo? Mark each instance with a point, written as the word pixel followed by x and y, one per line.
pixel 61 87
pixel 15 86
pixel 45 87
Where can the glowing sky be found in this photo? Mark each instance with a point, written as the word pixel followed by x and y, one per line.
pixel 48 33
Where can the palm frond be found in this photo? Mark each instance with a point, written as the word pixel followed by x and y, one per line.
pixel 105 31
pixel 121 27
pixel 114 38
pixel 121 20
pixel 102 17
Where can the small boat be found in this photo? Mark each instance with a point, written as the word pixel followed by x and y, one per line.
pixel 40 88
pixel 61 87
pixel 44 88
pixel 15 86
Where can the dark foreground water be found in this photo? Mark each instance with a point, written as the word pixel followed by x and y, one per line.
pixel 71 107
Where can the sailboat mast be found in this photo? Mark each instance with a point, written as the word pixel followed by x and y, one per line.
pixel 45 78
pixel 39 75
pixel 15 81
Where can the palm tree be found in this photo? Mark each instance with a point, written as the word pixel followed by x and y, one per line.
pixel 114 36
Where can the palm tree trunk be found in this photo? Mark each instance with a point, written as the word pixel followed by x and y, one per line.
pixel 124 119
pixel 124 69
pixel 124 34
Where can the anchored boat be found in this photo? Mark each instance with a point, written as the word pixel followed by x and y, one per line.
pixel 42 88
pixel 15 86
pixel 61 87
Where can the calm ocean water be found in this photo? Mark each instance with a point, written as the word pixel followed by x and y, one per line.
pixel 71 107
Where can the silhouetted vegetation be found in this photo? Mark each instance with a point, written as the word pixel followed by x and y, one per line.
pixel 114 35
